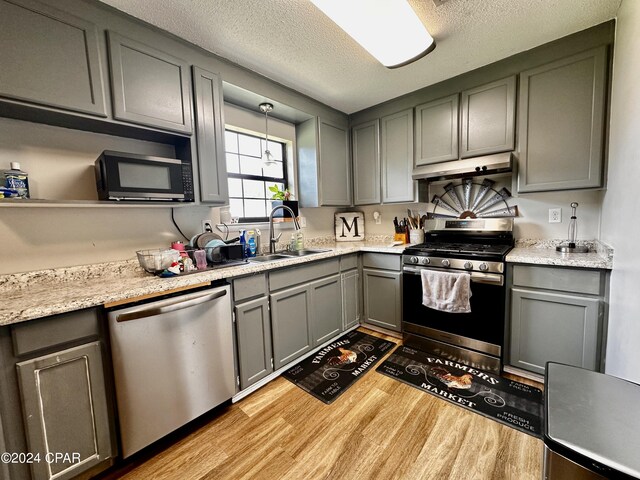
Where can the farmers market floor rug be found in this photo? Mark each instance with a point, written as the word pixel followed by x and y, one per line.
pixel 506 401
pixel 328 373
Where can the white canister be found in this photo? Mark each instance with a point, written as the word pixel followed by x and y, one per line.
pixel 416 236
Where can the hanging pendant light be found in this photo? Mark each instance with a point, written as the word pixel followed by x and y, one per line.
pixel 267 157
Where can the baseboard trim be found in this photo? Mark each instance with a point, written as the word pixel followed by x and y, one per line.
pixel 523 373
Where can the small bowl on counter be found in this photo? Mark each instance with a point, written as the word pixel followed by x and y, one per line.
pixel 157 260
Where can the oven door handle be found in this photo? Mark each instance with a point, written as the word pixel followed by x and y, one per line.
pixel 476 277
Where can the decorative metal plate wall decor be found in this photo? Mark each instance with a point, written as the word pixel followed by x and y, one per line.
pixel 470 199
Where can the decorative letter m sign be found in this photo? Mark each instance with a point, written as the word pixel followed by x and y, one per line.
pixel 349 227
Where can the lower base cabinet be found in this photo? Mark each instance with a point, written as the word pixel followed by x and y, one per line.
pixel 253 333
pixel 350 299
pixel 556 315
pixel 291 328
pixel 383 298
pixel 326 313
pixel 65 408
pixel 554 327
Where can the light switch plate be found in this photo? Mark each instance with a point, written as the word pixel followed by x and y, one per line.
pixel 555 215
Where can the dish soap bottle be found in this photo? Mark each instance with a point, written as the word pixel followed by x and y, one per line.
pixel 299 240
pixel 251 242
pixel 16 179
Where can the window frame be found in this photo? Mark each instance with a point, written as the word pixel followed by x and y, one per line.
pixel 243 176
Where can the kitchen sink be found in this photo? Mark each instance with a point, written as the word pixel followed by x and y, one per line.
pixel 269 258
pixel 302 253
pixel 272 257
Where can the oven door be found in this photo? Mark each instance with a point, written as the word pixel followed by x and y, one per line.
pixel 482 329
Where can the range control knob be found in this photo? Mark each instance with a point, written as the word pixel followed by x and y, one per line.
pixel 425 260
pixel 413 259
pixel 446 263
pixel 484 267
pixel 468 265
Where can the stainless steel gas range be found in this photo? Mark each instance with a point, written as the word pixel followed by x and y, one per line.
pixel 478 248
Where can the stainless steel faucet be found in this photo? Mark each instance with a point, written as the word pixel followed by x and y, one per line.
pixel 272 237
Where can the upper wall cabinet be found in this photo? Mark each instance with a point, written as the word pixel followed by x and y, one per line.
pixel 49 57
pixel 207 89
pixel 396 152
pixel 561 126
pixel 488 118
pixel 437 131
pixel 365 144
pixel 324 169
pixel 149 87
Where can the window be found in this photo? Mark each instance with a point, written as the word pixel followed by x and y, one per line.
pixel 249 179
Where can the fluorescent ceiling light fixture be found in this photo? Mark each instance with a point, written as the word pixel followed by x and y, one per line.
pixel 388 29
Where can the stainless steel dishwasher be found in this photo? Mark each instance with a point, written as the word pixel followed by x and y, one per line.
pixel 173 361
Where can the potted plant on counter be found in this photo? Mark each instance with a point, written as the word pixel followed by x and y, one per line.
pixel 283 197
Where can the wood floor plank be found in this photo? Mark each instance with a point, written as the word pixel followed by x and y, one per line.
pixel 380 428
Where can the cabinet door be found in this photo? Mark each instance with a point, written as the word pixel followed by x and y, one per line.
pixel 335 168
pixel 382 298
pixel 561 123
pixel 365 141
pixel 290 314
pixel 553 327
pixel 212 166
pixel 488 118
pixel 326 312
pixel 397 157
pixel 437 131
pixel 350 299
pixel 65 408
pixel 149 87
pixel 253 333
pixel 50 57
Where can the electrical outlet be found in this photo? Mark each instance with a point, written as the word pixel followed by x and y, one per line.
pixel 207 225
pixel 555 215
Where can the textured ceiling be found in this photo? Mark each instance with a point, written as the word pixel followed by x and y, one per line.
pixel 292 42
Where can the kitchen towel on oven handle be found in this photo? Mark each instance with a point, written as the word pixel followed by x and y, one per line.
pixel 446 291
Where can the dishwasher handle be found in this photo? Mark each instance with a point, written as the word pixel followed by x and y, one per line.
pixel 171 305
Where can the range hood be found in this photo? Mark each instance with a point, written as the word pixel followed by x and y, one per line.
pixel 469 167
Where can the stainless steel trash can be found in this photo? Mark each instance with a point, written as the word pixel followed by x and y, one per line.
pixel 592 425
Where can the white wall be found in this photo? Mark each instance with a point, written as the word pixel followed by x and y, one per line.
pixel 621 205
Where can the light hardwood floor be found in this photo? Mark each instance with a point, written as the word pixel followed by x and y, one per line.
pixel 378 429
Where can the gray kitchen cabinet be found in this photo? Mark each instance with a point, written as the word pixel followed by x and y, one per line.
pixel 65 410
pixel 488 118
pixel 556 314
pixel 382 290
pixel 437 131
pixel 324 167
pixel 212 166
pixel 556 327
pixel 149 87
pixel 562 123
pixel 253 335
pixel 396 154
pixel 365 145
pixel 351 293
pixel 59 69
pixel 326 311
pixel 290 323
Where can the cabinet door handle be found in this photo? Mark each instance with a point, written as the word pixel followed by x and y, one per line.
pixel 476 277
pixel 170 306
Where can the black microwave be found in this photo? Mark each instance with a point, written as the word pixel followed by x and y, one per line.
pixel 129 176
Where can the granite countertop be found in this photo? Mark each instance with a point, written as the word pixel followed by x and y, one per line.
pixel 543 252
pixel 31 295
